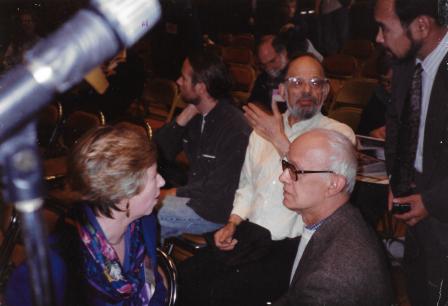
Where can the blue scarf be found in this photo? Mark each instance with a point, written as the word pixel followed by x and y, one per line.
pixel 102 267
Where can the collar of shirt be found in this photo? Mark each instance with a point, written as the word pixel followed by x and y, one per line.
pixel 315 226
pixel 302 125
pixel 215 111
pixel 430 67
pixel 431 63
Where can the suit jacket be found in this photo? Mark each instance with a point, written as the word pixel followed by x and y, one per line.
pixel 343 264
pixel 432 183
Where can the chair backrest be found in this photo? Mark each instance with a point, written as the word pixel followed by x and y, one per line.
pixel 340 66
pixel 158 96
pixel 361 49
pixel 243 76
pixel 347 115
pixel 370 69
pixel 237 55
pixel 48 121
pixel 354 93
pixel 243 80
pixel 141 124
pixel 244 40
pixel 78 123
pixel 177 103
pixel 225 39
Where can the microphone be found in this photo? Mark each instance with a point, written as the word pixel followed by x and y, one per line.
pixel 56 63
pixel 92 36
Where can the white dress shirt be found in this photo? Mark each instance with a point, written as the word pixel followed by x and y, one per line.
pixel 306 237
pixel 259 196
pixel 430 67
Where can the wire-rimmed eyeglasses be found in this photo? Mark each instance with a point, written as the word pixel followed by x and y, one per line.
pixel 299 83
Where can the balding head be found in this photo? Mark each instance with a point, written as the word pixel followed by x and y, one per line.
pixel 335 151
pixel 305 88
pixel 328 161
pixel 272 56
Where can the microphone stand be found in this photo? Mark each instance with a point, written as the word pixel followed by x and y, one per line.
pixel 90 37
pixel 21 175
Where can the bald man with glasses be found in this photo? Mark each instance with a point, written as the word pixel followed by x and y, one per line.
pixel 340 260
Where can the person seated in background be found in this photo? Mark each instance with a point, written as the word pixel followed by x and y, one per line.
pixel 292 16
pixel 109 256
pixel 214 135
pixel 340 260
pixel 234 271
pixel 23 39
pixel 126 76
pixel 273 58
pixel 373 117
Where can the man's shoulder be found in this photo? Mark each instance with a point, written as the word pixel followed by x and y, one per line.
pixel 332 124
pixel 354 236
pixel 233 118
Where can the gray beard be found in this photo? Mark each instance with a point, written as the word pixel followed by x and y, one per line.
pixel 302 113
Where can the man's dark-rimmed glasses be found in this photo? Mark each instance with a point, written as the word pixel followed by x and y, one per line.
pixel 294 173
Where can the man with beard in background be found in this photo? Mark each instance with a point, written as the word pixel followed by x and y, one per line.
pixel 273 58
pixel 252 258
pixel 214 135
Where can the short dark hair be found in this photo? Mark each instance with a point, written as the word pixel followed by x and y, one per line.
pixel 408 10
pixel 208 68
pixel 277 43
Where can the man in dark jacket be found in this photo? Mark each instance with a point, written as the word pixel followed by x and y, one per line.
pixel 339 260
pixel 416 140
pixel 273 58
pixel 214 136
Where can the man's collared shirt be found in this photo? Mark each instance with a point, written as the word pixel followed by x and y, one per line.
pixel 259 197
pixel 430 67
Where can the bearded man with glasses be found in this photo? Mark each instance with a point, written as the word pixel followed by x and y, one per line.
pixel 257 255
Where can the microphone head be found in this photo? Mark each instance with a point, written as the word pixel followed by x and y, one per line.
pixel 131 19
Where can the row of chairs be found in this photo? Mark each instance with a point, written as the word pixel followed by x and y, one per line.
pixel 351 86
pixel 345 105
pixel 244 40
pixel 348 103
pixel 353 77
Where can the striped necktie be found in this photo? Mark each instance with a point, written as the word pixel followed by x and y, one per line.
pixel 403 173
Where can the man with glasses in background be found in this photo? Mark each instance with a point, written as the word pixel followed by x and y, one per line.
pixel 272 58
pixel 257 255
pixel 339 261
